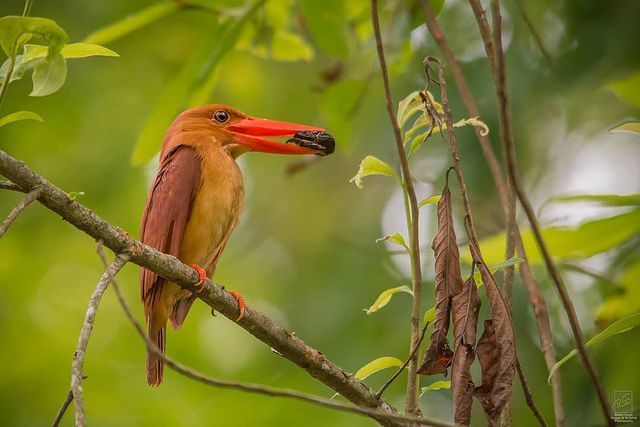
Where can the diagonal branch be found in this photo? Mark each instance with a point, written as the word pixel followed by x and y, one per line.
pixel 497 65
pixel 169 267
pixel 85 334
pixel 26 201
pixel 248 387
pixel 528 279
pixel 416 269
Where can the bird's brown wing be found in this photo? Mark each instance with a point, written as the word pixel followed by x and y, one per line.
pixel 167 211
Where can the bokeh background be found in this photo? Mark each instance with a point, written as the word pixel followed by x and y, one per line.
pixel 305 251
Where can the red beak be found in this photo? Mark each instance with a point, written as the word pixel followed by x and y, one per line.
pixel 248 131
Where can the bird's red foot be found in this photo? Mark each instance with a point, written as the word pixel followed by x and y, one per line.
pixel 241 303
pixel 202 275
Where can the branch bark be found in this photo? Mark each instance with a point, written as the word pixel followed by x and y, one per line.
pixel 257 324
pixel 85 334
pixel 497 65
pixel 528 279
pixel 411 406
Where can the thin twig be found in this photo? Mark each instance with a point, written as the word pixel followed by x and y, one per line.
pixel 532 286
pixel 528 397
pixel 412 377
pixel 536 36
pixel 27 7
pixel 249 387
pixel 406 362
pixel 85 334
pixel 496 60
pixel 63 409
pixel 26 201
pixel 8 185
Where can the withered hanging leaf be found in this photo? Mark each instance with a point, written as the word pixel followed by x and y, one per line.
pixel 464 307
pixel 448 282
pixel 499 390
pixel 489 357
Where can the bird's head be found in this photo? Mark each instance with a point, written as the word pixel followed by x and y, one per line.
pixel 239 133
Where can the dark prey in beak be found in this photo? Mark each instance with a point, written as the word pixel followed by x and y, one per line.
pixel 317 140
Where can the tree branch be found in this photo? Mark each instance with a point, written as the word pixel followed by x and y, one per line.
pixel 496 61
pixel 85 334
pixel 257 324
pixel 414 242
pixel 26 201
pixel 528 279
pixel 248 387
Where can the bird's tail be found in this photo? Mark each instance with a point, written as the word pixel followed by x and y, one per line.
pixel 157 331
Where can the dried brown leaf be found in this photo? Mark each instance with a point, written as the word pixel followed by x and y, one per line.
pixel 498 390
pixel 465 306
pixel 489 357
pixel 448 282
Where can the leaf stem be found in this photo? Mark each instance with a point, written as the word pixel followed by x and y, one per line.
pixel 7 78
pixel 27 7
pixel 411 406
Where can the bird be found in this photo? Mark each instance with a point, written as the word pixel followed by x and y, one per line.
pixel 195 202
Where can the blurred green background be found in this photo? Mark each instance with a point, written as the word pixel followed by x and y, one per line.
pixel 304 252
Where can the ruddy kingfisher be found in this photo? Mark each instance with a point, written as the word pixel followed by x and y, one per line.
pixel 196 198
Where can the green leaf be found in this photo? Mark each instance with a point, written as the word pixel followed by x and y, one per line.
pixel 627 89
pixel 625 301
pixel 15 31
pixel 377 365
pixel 619 327
pixel 371 165
pixel 438 385
pixel 84 50
pixel 198 75
pixel 629 127
pixel 430 200
pixel 590 238
pixel 384 298
pixel 396 238
pixel 407 107
pixel 287 46
pixel 75 194
pixel 132 23
pixel 18 69
pixel 604 199
pixel 49 75
pixel 69 51
pixel 429 316
pixel 327 23
pixel 19 115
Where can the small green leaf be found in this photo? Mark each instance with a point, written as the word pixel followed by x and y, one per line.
pixel 384 298
pixel 84 50
pixel 15 31
pixel 430 200
pixel 630 127
pixel 19 115
pixel 619 327
pixel 604 199
pixel 130 23
pixel 49 75
pixel 18 69
pixel 371 165
pixel 407 107
pixel 34 51
pixel 377 365
pixel 438 385
pixel 429 315
pixel 75 194
pixel 396 238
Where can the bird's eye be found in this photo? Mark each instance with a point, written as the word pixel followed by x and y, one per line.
pixel 221 116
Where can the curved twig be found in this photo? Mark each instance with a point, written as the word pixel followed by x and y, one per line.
pixel 26 201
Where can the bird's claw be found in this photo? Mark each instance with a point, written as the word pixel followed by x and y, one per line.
pixel 241 303
pixel 202 275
